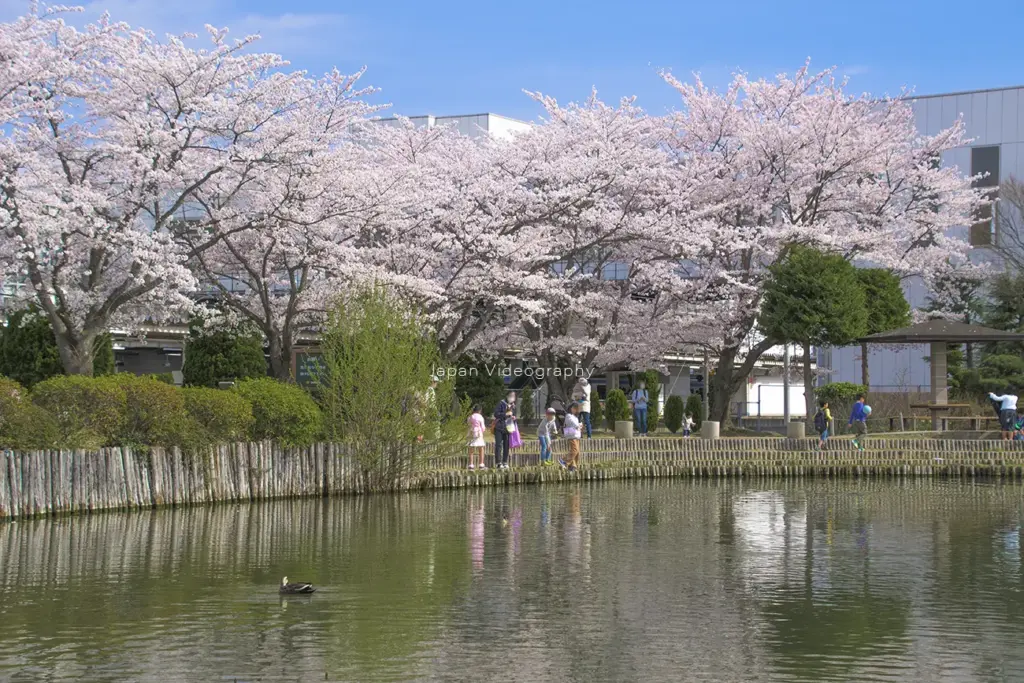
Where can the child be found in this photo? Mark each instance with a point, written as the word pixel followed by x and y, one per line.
pixel 476 437
pixel 546 433
pixel 572 433
pixel 822 420
pixel 687 425
pixel 859 422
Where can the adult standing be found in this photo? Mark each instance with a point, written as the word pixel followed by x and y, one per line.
pixel 581 395
pixel 639 399
pixel 1007 414
pixel 501 411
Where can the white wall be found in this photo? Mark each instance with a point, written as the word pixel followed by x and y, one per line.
pixel 772 396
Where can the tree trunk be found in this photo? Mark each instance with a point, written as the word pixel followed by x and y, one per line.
pixel 864 375
pixel 76 351
pixel 280 356
pixel 808 385
pixel 729 377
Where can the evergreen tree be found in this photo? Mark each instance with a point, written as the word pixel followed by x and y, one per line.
pixel 222 356
pixel 813 299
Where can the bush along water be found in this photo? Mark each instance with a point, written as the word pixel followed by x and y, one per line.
pixel 78 412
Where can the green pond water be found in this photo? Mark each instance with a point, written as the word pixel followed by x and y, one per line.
pixel 618 581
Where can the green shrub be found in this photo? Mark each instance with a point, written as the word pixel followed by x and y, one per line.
pixel 218 416
pixel 103 356
pixel 89 411
pixel 840 392
pixel 28 350
pixel 222 356
pixel 596 409
pixel 674 409
pixel 165 377
pixel 840 396
pixel 282 412
pixel 24 425
pixel 525 400
pixel 616 407
pixel 695 409
pixel 154 413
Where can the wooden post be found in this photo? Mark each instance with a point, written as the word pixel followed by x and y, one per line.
pixel 940 390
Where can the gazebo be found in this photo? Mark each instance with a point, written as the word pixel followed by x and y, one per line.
pixel 940 334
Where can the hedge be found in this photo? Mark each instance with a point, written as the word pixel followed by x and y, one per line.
pixel 90 411
pixel 283 412
pixel 23 425
pixel 219 416
pixel 128 410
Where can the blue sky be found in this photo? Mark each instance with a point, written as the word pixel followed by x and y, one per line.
pixel 461 57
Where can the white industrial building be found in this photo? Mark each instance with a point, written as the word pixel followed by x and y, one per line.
pixel 994 121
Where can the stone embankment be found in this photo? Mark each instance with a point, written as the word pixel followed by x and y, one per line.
pixel 61 482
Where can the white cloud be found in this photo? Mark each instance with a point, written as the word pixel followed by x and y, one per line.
pixel 292 34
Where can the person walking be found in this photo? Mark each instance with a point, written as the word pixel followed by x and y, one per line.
pixel 572 433
pixel 501 411
pixel 859 422
pixel 1007 414
pixel 822 420
pixel 639 399
pixel 546 433
pixel 476 438
pixel 581 394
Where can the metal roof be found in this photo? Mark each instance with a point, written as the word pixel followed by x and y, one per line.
pixel 942 331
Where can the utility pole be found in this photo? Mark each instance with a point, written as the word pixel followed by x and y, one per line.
pixel 707 387
pixel 785 385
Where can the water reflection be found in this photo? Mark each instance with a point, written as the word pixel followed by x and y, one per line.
pixel 651 581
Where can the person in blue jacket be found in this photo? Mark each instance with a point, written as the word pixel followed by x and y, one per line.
pixel 859 422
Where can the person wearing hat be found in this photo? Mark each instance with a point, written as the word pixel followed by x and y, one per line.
pixel 546 433
pixel 581 394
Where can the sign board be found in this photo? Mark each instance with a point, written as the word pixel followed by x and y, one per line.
pixel 308 368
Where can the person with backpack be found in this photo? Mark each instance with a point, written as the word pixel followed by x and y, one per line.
pixel 822 420
pixel 639 399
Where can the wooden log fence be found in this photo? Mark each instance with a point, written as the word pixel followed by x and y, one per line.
pixel 43 483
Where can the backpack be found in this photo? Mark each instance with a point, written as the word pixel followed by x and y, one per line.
pixel 819 421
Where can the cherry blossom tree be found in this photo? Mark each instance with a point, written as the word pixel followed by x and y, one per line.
pixel 110 137
pixel 510 243
pixel 802 162
pixel 275 247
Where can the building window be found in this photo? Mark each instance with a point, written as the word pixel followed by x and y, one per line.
pixel 985 160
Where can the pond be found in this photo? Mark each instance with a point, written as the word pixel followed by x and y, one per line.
pixel 617 581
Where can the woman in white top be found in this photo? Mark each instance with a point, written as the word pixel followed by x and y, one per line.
pixel 581 395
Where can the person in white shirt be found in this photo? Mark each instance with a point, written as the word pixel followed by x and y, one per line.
pixel 1007 414
pixel 572 434
pixel 581 394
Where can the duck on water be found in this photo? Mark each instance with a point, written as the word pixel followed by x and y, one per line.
pixel 295 588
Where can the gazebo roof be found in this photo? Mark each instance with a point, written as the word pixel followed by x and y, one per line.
pixel 942 331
